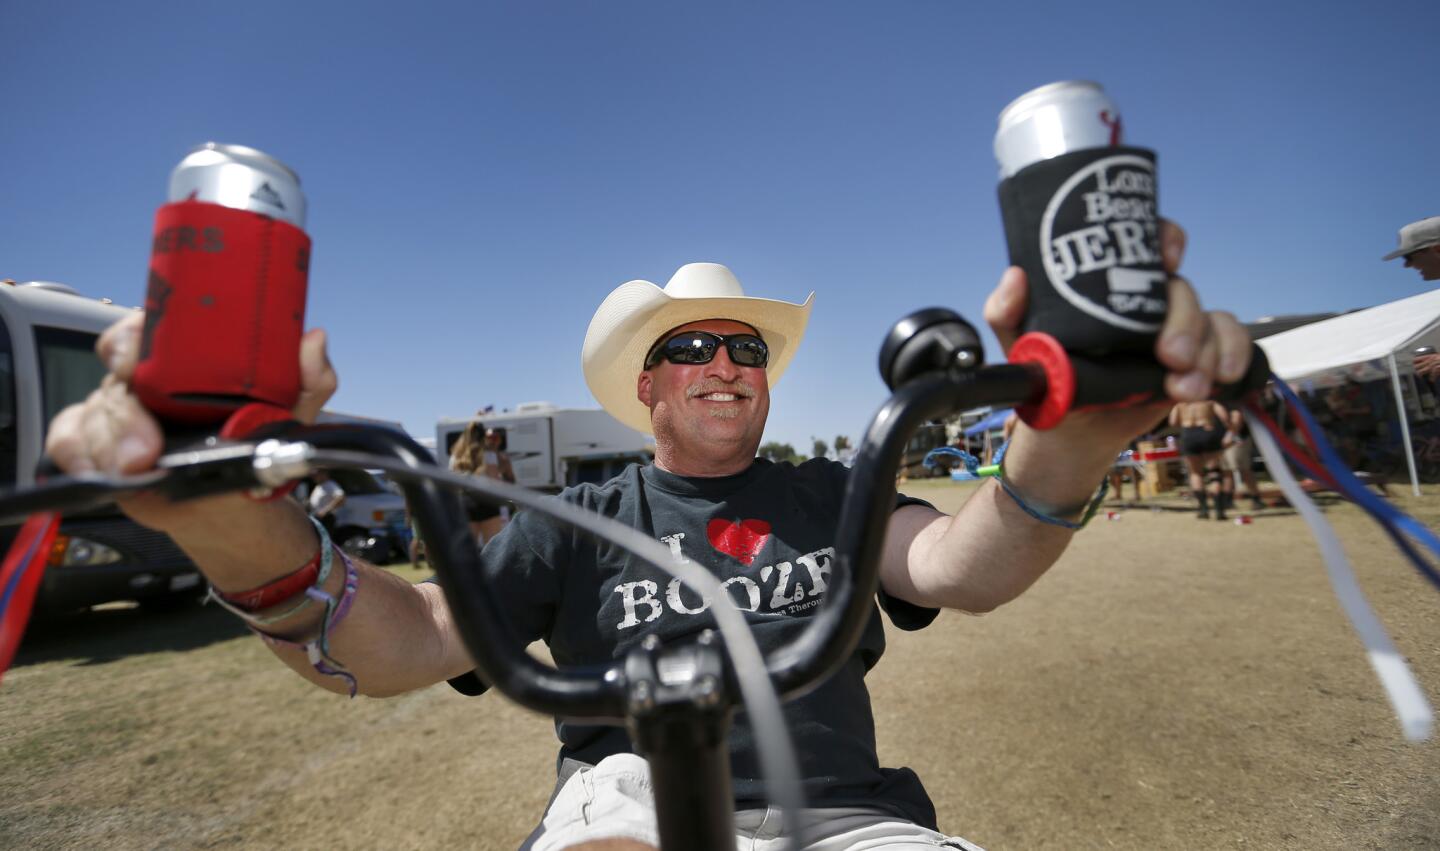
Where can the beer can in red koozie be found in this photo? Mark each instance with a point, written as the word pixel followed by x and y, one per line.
pixel 225 303
pixel 1244 520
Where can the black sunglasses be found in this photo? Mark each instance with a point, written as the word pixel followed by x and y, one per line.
pixel 696 347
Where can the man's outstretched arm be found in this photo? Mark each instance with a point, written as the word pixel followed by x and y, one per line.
pixel 396 637
pixel 992 549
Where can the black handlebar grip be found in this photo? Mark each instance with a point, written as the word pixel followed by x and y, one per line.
pixel 1076 382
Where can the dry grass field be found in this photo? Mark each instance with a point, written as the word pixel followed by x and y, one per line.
pixel 1171 684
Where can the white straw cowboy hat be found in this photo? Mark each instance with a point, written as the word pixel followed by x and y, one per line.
pixel 637 313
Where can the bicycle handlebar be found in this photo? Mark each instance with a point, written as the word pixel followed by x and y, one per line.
pixel 932 361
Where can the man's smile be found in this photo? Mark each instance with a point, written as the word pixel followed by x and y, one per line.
pixel 720 392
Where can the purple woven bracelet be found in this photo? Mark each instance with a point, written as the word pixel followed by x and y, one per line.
pixel 317 650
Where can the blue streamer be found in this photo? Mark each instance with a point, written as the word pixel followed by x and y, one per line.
pixel 1392 520
pixel 20 571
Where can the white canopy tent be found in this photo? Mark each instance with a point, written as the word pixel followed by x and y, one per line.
pixel 1364 345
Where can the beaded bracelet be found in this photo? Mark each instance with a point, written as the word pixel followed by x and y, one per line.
pixel 1090 508
pixel 317 649
pixel 326 561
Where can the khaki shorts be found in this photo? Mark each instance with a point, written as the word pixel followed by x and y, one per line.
pixel 1239 455
pixel 614 800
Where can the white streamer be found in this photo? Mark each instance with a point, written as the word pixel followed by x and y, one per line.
pixel 1409 703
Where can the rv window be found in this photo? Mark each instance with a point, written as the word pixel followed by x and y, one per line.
pixel 9 441
pixel 69 368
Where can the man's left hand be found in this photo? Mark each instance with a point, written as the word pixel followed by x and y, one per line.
pixel 1199 349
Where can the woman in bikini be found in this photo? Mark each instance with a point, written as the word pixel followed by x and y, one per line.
pixel 478 453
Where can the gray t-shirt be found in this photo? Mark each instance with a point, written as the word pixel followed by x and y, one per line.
pixel 767 533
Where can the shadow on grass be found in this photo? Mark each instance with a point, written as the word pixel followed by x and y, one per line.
pixel 1254 513
pixel 103 635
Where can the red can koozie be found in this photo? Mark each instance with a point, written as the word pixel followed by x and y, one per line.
pixel 224 312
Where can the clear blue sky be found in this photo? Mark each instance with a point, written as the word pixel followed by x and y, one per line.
pixel 481 174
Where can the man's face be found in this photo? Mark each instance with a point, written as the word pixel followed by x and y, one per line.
pixel 1426 261
pixel 701 408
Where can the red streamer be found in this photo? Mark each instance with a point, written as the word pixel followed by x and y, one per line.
pixel 26 559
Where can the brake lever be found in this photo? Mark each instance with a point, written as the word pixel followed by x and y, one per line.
pixel 214 467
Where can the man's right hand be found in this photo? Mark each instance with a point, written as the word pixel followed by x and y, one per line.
pixel 111 432
pixel 397 637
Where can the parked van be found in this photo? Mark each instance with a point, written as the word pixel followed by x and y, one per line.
pixel 552 448
pixel 370 523
pixel 47 361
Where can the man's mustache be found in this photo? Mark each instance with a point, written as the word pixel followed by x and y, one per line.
pixel 739 387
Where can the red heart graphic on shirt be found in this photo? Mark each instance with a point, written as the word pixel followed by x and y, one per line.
pixel 743 541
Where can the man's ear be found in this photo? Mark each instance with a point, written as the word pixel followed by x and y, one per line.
pixel 642 388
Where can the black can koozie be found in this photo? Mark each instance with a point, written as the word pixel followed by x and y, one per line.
pixel 1085 228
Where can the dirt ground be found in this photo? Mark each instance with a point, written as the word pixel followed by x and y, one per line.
pixel 1171 684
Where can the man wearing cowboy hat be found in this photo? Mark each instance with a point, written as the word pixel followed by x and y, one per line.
pixel 1420 246
pixel 694 363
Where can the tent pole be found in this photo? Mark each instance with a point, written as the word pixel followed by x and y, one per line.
pixel 1404 425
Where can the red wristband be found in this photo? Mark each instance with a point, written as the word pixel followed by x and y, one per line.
pixel 276 592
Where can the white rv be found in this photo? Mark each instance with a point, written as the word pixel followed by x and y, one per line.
pixel 47 361
pixel 552 448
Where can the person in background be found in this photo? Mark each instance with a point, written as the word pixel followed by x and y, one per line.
pixel 1420 246
pixel 1427 364
pixel 1351 420
pixel 1239 457
pixel 1127 466
pixel 1204 432
pixel 478 453
pixel 416 545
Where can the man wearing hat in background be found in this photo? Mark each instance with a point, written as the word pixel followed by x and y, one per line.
pixel 1420 246
pixel 693 363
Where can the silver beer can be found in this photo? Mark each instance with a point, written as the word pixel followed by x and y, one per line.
pixel 1052 120
pixel 242 178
